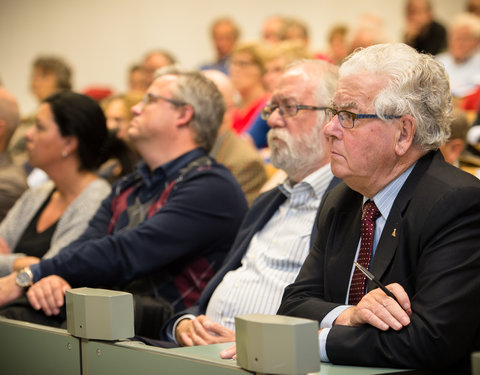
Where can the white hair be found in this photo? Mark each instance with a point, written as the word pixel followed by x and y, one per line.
pixel 418 86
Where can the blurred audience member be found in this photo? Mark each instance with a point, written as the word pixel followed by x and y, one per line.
pixel 367 31
pixel 137 79
pixel 455 145
pixel 236 153
pixel 337 45
pixel 12 177
pixel 118 113
pixel 50 74
pixel 295 29
pixel 422 32
pixel 272 29
pixel 276 58
pixel 225 34
pixel 462 60
pixel 473 6
pixel 67 143
pixel 155 60
pixel 246 72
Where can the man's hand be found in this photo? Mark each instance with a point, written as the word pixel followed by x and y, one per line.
pixel 379 310
pixel 229 353
pixel 202 331
pixel 48 294
pixel 9 290
pixel 4 249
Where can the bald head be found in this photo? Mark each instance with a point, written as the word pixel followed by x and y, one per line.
pixel 225 86
pixel 9 117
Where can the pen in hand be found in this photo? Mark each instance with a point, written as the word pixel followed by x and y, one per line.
pixel 372 277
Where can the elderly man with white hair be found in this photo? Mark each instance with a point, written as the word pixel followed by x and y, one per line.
pixel 402 212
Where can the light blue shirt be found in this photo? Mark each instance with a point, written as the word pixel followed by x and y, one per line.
pixel 384 201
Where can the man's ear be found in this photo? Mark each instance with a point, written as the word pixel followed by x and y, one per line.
pixel 406 133
pixel 186 114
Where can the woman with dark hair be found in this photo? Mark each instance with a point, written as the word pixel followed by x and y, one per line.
pixel 67 142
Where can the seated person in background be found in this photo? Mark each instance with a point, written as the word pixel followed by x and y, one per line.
pixel 66 143
pixel 276 234
pixel 276 58
pixel 137 80
pixel 296 30
pixel 454 146
pixel 163 231
pixel 155 60
pixel 422 32
pixel 224 33
pixel 337 45
pixel 246 72
pixel 368 29
pixel 272 29
pixel 391 113
pixel 231 150
pixel 50 74
pixel 456 150
pixel 12 177
pixel 118 113
pixel 462 59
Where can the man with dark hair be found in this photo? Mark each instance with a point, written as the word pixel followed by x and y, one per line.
pixel 164 230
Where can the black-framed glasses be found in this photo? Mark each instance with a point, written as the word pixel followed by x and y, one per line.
pixel 347 118
pixel 287 110
pixel 150 98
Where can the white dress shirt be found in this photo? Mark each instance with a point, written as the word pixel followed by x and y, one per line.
pixel 274 257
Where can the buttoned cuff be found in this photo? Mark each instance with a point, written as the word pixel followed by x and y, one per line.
pixel 171 335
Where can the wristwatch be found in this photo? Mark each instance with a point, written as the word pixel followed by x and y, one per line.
pixel 24 278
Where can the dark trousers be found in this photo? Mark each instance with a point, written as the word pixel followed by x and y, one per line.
pixel 150 315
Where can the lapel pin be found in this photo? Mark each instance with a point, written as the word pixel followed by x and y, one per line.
pixel 394 233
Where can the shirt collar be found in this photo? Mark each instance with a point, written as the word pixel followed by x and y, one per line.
pixel 169 169
pixel 317 181
pixel 384 198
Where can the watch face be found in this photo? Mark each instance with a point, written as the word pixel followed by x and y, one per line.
pixel 24 279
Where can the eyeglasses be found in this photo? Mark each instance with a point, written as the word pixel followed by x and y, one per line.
pixel 347 118
pixel 151 98
pixel 287 110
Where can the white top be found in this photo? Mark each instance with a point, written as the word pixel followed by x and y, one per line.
pixel 464 77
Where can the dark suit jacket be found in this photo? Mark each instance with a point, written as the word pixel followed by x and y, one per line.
pixel 430 245
pixel 257 216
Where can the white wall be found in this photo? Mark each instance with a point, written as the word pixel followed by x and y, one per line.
pixel 102 38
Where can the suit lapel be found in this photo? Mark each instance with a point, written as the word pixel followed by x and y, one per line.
pixel 343 246
pixel 388 244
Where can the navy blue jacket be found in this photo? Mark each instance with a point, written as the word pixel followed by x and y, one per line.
pixel 175 245
pixel 259 214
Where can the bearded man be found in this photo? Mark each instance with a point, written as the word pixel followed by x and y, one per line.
pixel 274 238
